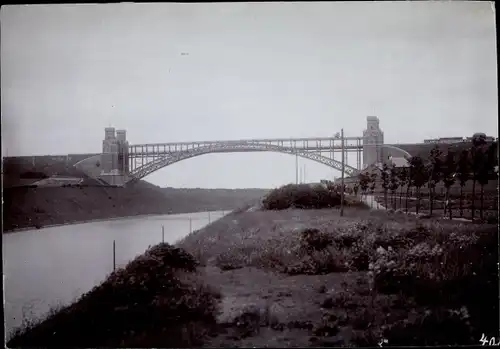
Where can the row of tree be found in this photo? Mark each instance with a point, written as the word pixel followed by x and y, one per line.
pixel 479 163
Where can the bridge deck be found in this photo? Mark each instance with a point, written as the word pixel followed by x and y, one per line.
pixel 134 152
pixel 263 140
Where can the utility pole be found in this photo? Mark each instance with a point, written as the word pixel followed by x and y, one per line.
pixel 342 180
pixel 296 168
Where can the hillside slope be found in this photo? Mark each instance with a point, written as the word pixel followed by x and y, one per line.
pixel 37 207
pixel 31 206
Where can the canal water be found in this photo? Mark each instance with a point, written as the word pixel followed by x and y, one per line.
pixel 54 266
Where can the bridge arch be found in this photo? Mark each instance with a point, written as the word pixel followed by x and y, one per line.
pixel 406 154
pixel 390 146
pixel 227 147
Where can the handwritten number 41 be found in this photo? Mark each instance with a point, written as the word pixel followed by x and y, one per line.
pixel 484 341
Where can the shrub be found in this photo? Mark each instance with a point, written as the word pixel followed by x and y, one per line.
pixel 325 261
pixel 155 300
pixel 301 196
pixel 455 270
pixel 346 239
pixel 314 240
pixel 441 326
pixel 232 259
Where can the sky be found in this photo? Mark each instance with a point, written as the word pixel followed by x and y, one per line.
pixel 222 71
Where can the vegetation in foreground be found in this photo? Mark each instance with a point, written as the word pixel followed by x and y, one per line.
pixel 415 282
pixel 375 275
pixel 305 196
pixel 157 300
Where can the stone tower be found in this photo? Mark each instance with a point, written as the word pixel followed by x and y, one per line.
pixel 121 139
pixel 373 138
pixel 109 151
pixel 114 151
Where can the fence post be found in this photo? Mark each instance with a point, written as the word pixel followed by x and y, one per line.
pixel 208 217
pixel 190 225
pixel 162 233
pixel 114 255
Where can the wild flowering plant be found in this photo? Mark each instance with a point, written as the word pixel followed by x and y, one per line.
pixel 463 240
pixel 423 251
pixel 384 261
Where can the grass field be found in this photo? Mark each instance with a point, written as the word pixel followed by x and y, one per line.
pixel 311 277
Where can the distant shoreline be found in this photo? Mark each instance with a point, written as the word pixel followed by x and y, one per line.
pixel 42 207
pixel 19 230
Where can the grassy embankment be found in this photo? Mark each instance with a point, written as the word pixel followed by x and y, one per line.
pixel 352 280
pixel 27 206
pixel 156 300
pixel 301 277
pixel 37 207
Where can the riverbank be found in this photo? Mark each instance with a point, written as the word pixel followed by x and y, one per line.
pixel 157 300
pixel 31 208
pixel 108 220
pixel 310 277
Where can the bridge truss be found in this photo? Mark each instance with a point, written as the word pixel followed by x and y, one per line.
pixel 144 159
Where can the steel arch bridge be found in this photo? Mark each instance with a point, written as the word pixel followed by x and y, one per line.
pixel 121 163
pixel 230 147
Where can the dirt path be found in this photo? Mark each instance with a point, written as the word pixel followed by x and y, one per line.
pixel 370 201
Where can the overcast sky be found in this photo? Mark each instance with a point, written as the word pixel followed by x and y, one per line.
pixel 187 72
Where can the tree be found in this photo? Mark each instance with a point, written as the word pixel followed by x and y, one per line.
pixel 493 154
pixel 434 170
pixel 449 176
pixel 463 175
pixel 364 181
pixel 394 184
pixel 403 176
pixel 486 169
pixel 384 176
pixel 356 189
pixel 418 176
pixel 373 182
pixel 478 143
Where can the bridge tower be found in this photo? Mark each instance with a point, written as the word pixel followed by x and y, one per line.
pixel 114 167
pixel 109 157
pixel 122 143
pixel 373 137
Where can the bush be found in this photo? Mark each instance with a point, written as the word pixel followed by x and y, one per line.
pixel 301 196
pixel 441 326
pixel 453 271
pixel 155 300
pixel 314 240
pixel 233 259
pixel 325 261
